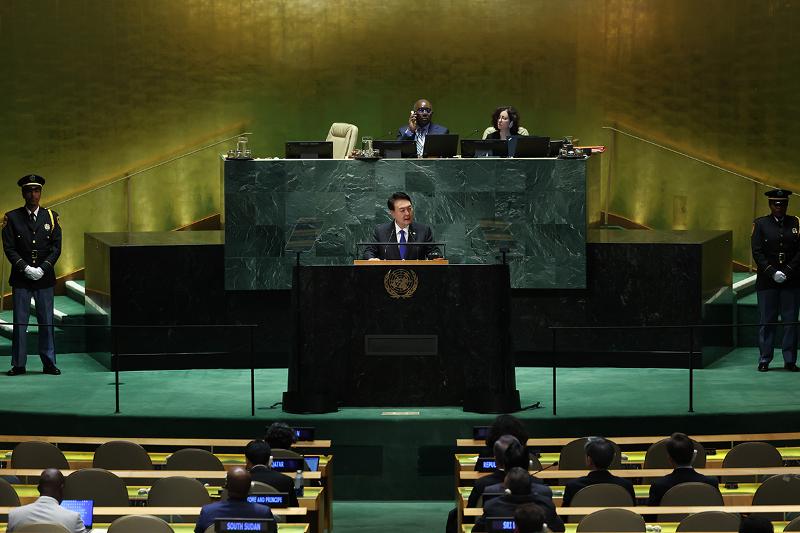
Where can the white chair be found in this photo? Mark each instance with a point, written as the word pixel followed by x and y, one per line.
pixel 344 138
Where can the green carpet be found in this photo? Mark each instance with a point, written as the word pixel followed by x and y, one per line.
pixel 403 455
pixel 390 517
pixel 730 385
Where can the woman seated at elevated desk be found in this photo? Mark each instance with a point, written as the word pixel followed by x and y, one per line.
pixel 505 123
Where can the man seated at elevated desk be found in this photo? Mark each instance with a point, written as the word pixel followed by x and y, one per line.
pixel 402 229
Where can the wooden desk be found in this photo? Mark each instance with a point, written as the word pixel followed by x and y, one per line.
pixel 212 475
pixel 404 262
pixel 742 495
pixel 189 528
pixel 732 438
pixel 666 527
pixel 145 441
pixel 84 459
pixel 671 509
pixel 466 461
pixel 649 472
pixel 171 511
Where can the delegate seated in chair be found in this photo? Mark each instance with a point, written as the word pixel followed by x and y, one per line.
pixel 599 454
pixel 236 506
pixel 47 509
pixel 520 489
pixel 681 454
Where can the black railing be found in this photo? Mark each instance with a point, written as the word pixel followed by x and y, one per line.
pixel 118 356
pixel 690 328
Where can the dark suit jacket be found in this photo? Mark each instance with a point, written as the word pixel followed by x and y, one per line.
pixel 480 485
pixel 36 245
pixel 231 509
pixel 771 238
pixel 282 482
pixel 504 506
pixel 595 477
pixel 660 486
pixel 385 233
pixel 403 133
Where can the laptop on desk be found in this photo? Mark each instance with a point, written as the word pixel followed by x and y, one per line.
pixel 484 148
pixel 85 508
pixel 440 145
pixel 529 146
pixel 395 149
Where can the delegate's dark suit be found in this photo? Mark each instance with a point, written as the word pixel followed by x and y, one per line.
pixel 776 247
pixel 596 476
pixel 405 134
pixel 282 482
pixel 232 509
pixel 660 486
pixel 385 233
pixel 504 506
pixel 37 245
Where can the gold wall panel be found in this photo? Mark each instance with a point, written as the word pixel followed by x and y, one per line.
pixel 93 89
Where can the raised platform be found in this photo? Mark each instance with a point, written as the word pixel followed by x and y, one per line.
pixel 403 453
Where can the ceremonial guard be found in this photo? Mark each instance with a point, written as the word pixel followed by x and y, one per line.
pixel 776 250
pixel 32 243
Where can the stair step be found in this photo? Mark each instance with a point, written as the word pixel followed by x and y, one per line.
pixel 76 289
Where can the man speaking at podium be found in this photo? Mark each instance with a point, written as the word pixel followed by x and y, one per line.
pixel 402 229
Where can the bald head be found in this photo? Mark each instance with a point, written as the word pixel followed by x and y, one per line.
pixel 51 483
pixel 238 483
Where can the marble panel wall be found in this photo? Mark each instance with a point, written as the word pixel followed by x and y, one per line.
pixel 323 208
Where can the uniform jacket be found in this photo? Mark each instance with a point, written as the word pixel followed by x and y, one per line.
pixel 769 240
pixel 385 233
pixel 35 245
pixel 45 510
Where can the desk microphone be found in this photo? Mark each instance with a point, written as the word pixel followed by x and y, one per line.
pixel 555 463
pixel 474 132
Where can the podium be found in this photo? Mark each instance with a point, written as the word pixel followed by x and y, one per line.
pixel 401 334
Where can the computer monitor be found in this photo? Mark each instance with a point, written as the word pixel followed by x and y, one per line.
pixel 85 508
pixel 555 147
pixel 484 148
pixel 396 149
pixel 304 433
pixel 445 145
pixel 313 462
pixel 309 150
pixel 224 525
pixel 528 146
pixel 480 432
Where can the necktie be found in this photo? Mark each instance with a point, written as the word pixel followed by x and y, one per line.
pixel 33 218
pixel 402 247
pixel 420 141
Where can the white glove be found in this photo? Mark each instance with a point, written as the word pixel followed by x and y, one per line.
pixel 779 277
pixel 30 273
pixel 34 273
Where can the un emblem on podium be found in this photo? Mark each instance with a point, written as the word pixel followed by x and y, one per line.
pixel 401 283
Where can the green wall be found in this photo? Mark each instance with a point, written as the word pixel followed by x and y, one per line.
pixel 93 89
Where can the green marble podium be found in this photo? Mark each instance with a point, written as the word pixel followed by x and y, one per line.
pixel 534 207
